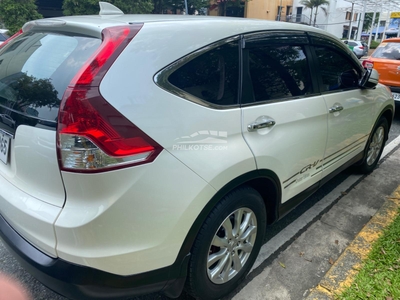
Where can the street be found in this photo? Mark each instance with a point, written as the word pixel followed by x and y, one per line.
pixel 267 279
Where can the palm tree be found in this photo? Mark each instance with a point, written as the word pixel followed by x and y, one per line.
pixel 318 3
pixel 308 4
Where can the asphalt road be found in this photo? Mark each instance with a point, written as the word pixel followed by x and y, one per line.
pixel 10 266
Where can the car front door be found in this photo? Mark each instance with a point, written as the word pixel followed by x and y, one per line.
pixel 350 107
pixel 284 118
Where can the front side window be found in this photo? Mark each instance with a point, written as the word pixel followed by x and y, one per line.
pixel 212 77
pixel 336 70
pixel 279 72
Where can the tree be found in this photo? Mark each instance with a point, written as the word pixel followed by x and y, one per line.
pixel 15 13
pixel 315 4
pixel 91 7
pixel 224 4
pixel 318 3
pixel 368 21
pixel 308 4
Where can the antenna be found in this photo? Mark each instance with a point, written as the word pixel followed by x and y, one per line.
pixel 109 9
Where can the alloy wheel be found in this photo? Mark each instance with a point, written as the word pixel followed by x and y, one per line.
pixel 232 245
pixel 376 145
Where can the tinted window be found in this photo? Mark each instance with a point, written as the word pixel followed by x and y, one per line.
pixel 337 71
pixel 279 72
pixel 387 50
pixel 353 44
pixel 35 69
pixel 212 76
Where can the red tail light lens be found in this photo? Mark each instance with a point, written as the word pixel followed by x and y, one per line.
pixel 92 135
pixel 368 64
pixel 362 47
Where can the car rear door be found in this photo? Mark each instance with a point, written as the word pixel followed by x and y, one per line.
pixel 349 107
pixel 284 119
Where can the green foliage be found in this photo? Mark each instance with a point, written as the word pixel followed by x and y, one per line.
pixel 379 278
pixel 368 21
pixel 311 4
pixel 15 13
pixel 91 7
pixel 374 44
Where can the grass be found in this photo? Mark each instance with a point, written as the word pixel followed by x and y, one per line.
pixel 379 277
pixel 374 44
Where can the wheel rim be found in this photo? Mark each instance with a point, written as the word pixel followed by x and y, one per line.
pixel 375 146
pixel 232 245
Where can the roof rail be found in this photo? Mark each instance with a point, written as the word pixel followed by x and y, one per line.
pixel 107 9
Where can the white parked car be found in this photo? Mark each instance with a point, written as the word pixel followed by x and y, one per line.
pixel 153 151
pixel 359 48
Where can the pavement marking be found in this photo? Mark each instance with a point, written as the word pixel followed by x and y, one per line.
pixel 292 229
pixel 343 271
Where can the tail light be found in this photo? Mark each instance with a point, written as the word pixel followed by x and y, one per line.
pixel 362 47
pixel 11 38
pixel 92 136
pixel 368 64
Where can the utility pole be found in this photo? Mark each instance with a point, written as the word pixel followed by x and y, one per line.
pixel 372 27
pixel 362 21
pixel 351 19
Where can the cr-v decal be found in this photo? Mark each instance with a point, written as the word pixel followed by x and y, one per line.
pixel 327 161
pixel 303 173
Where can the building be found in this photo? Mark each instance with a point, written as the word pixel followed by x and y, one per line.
pixel 276 10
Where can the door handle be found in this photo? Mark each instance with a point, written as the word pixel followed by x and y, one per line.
pixel 335 108
pixel 259 125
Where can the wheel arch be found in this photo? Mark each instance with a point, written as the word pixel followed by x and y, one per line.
pixel 388 113
pixel 265 182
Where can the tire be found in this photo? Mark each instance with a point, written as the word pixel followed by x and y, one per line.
pixel 223 252
pixel 375 145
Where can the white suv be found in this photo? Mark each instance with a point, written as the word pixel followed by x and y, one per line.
pixel 148 153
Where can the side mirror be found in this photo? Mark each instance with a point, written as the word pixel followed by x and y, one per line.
pixel 369 79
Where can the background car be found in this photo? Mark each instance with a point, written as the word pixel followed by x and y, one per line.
pixel 3 35
pixel 140 165
pixel 359 48
pixel 386 60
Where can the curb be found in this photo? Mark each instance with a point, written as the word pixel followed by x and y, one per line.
pixel 343 271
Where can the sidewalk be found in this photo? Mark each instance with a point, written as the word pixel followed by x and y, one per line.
pixel 313 266
pixel 342 273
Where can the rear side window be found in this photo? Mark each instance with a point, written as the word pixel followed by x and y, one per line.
pixel 337 71
pixel 388 51
pixel 279 72
pixel 212 76
pixel 35 70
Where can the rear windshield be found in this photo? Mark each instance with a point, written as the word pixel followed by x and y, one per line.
pixel 35 69
pixel 387 50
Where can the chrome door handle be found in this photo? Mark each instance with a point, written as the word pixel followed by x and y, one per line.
pixel 335 108
pixel 259 125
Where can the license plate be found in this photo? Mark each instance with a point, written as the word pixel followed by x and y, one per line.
pixel 4 146
pixel 396 96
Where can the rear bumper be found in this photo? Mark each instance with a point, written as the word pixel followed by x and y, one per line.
pixel 79 282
